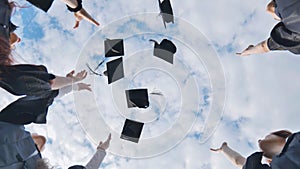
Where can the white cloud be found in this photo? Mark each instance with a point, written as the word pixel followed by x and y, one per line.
pixel 262 90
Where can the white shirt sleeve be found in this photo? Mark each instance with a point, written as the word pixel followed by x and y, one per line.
pixel 96 160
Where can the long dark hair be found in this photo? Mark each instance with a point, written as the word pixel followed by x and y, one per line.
pixel 5 52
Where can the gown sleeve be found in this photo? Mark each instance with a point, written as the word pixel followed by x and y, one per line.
pixel 283 39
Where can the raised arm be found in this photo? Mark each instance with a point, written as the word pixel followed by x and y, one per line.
pixel 262 47
pixel 236 158
pixel 60 82
pixel 98 157
pixel 79 12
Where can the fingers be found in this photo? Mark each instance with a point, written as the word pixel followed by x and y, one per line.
pixel 81 75
pixel 242 53
pixel 88 87
pixel 246 51
pixel 70 74
pixel 105 145
pixel 76 25
pixel 84 86
pixel 215 150
pixel 108 138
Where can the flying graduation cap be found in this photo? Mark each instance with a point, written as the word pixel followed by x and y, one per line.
pixel 137 98
pixel 166 11
pixel 114 47
pixel 132 130
pixel 165 50
pixel 115 70
pixel 43 5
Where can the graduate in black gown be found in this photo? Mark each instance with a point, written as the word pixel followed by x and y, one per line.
pixel 286 34
pixel 33 82
pixel 18 149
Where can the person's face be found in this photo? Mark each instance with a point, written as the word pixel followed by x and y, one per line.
pixel 271 145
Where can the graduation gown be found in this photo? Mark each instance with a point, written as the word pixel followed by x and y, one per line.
pixel 290 155
pixel 286 34
pixel 5 25
pixel 17 147
pixel 33 82
pixel 289 12
pixel 287 159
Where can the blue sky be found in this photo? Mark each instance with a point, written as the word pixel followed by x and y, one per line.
pixel 261 90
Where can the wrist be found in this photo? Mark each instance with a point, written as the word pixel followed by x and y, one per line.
pixel 75 87
pixel 101 149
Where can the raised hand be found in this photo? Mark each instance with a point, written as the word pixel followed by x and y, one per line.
pixel 104 145
pixel 219 149
pixel 78 77
pixel 246 51
pixel 84 86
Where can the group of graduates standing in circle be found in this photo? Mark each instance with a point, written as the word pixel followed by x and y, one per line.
pixel 19 149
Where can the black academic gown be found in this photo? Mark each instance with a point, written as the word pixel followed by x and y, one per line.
pixel 289 158
pixel 286 34
pixel 33 82
pixel 29 80
pixel 5 25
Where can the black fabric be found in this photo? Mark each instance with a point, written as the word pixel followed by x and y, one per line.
pixel 25 79
pixel 254 162
pixel 5 12
pixel 42 4
pixel 283 39
pixel 289 12
pixel 28 109
pixel 32 81
pixel 290 139
pixel 77 167
pixel 290 155
pixel 78 8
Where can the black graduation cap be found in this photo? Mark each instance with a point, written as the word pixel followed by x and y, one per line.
pixel 165 50
pixel 77 167
pixel 115 70
pixel 114 47
pixel 43 5
pixel 132 130
pixel 166 11
pixel 137 98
